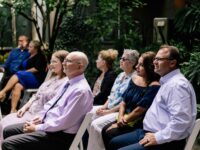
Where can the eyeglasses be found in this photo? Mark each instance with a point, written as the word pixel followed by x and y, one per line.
pixel 161 59
pixel 70 61
pixel 123 59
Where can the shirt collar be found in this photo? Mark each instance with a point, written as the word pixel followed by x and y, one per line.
pixel 168 76
pixel 127 76
pixel 76 79
pixel 24 50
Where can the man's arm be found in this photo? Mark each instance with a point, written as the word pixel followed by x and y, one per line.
pixel 8 60
pixel 180 108
pixel 71 114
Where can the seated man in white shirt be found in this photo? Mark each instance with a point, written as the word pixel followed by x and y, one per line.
pixel 171 117
pixel 57 124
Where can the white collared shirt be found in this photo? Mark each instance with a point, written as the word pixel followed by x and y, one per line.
pixel 173 112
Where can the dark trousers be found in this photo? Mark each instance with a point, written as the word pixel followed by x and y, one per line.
pixel 15 139
pixel 4 80
pixel 5 106
pixel 130 141
pixel 110 134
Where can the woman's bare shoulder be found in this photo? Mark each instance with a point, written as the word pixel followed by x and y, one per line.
pixel 154 83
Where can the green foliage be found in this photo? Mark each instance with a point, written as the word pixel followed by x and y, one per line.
pixel 44 9
pixel 113 22
pixel 151 47
pixel 104 19
pixel 5 16
pixel 192 68
pixel 19 5
pixel 187 24
pixel 96 26
pixel 187 27
pixel 187 21
pixel 184 52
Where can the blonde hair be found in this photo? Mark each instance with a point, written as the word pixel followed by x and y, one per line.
pixel 109 56
pixel 37 45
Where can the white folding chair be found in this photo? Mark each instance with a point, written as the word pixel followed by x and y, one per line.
pixel 77 142
pixel 191 139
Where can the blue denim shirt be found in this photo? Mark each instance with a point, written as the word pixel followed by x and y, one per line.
pixel 119 87
pixel 14 60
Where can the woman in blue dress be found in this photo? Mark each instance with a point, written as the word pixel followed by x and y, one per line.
pixel 136 99
pixel 32 74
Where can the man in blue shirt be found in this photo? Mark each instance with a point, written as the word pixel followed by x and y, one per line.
pixel 171 117
pixel 14 60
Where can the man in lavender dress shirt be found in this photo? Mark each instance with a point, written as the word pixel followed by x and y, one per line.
pixel 171 117
pixel 62 116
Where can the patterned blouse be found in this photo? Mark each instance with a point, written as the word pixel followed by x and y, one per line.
pixel 119 86
pixel 46 91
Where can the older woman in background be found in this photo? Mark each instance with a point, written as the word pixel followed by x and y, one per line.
pixel 104 114
pixel 106 78
pixel 32 75
pixel 46 91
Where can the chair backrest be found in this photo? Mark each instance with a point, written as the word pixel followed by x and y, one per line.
pixel 191 139
pixel 1 75
pixel 77 142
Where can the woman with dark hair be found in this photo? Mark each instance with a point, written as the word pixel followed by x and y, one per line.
pixel 106 78
pixel 136 99
pixel 32 74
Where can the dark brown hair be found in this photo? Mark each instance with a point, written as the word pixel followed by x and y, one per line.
pixel 149 67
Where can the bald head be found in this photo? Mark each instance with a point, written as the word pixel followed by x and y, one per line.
pixel 81 58
pixel 75 64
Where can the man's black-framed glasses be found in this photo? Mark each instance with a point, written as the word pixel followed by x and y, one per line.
pixel 161 59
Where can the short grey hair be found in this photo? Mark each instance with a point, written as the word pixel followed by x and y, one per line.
pixel 132 55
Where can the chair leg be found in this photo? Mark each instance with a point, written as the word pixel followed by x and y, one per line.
pixel 81 145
